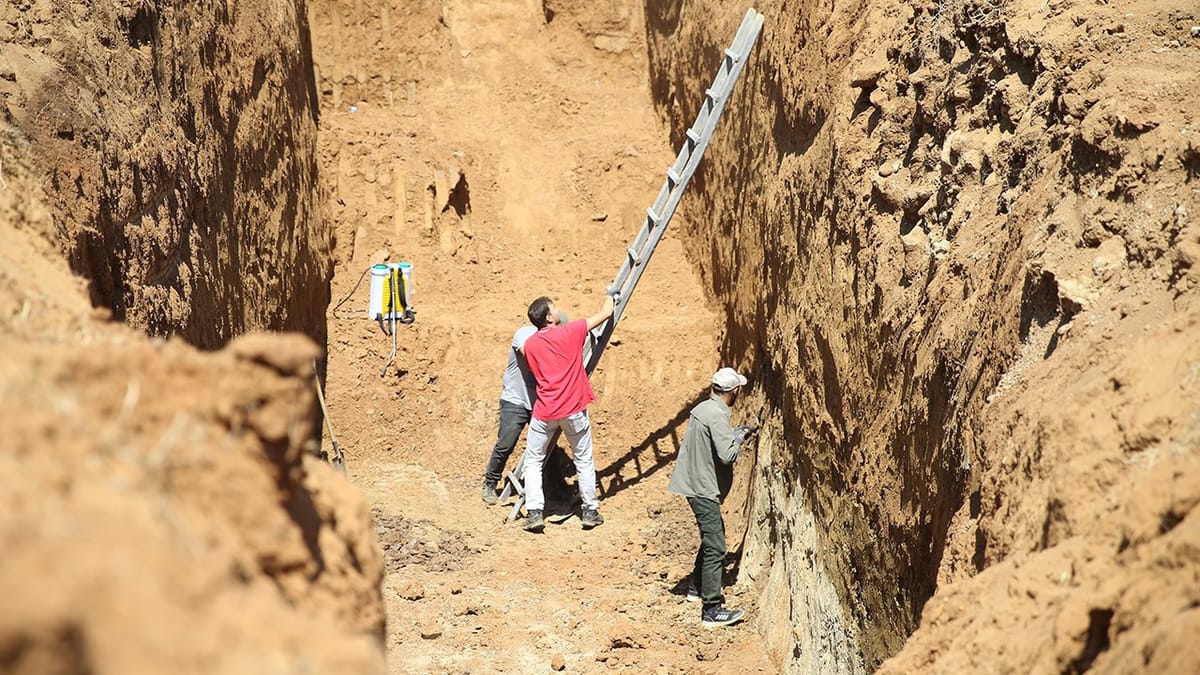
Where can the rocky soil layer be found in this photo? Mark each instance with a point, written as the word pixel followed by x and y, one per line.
pixel 956 246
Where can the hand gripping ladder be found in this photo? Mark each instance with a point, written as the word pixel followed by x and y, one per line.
pixel 659 214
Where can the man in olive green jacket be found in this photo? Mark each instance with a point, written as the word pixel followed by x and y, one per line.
pixel 703 473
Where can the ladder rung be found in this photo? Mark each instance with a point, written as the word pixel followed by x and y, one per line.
pixel 693 136
pixel 654 217
pixel 712 94
pixel 673 176
pixel 633 256
pixel 733 56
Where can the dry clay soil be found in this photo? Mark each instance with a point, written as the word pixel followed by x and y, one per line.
pixel 509 157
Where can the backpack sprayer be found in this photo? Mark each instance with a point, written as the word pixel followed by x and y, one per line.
pixel 390 301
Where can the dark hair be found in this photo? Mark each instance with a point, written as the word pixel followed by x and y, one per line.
pixel 538 311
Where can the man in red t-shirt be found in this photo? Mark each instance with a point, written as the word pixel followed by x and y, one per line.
pixel 555 357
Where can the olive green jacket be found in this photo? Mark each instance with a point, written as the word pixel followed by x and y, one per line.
pixel 710 446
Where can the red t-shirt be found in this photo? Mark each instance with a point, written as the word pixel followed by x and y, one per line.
pixel 555 356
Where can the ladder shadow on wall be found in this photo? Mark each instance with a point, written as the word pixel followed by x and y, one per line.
pixel 663 444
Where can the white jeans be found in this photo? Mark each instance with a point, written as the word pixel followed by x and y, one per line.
pixel 579 434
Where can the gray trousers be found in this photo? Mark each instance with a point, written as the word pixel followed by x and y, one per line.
pixel 578 430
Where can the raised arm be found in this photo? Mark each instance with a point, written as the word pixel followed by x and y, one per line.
pixel 606 310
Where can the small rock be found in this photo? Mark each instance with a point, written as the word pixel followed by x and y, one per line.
pixel 600 217
pixel 430 630
pixel 890 167
pixel 868 73
pixel 971 160
pixel 1196 31
pixel 1074 296
pixel 411 591
pixel 613 44
pixel 915 240
pixel 557 662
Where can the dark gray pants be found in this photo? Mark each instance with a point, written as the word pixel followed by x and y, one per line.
pixel 513 418
pixel 710 557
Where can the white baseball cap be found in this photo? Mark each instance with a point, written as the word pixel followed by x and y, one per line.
pixel 728 379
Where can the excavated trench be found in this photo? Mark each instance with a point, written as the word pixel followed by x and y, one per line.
pixel 953 251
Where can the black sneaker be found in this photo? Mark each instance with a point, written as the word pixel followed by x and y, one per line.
pixel 693 593
pixel 489 494
pixel 591 519
pixel 534 522
pixel 720 616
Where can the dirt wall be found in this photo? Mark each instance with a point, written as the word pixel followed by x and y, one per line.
pixel 161 511
pixel 178 148
pixel 955 249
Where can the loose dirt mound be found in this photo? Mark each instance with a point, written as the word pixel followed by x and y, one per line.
pixel 159 516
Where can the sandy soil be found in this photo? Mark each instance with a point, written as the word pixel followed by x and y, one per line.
pixel 953 243
pixel 548 131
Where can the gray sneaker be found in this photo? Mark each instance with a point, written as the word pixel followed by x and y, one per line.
pixel 534 522
pixel 693 593
pixel 489 494
pixel 720 616
pixel 591 518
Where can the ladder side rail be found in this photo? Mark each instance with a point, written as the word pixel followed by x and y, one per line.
pixel 686 151
pixel 727 75
pixel 603 333
pixel 631 259
pixel 747 34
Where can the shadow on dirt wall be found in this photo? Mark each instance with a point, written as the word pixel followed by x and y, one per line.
pixel 663 444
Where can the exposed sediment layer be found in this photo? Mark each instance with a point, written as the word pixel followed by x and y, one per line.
pixel 955 246
pixel 178 149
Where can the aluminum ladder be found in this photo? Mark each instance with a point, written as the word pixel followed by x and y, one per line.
pixel 637 255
